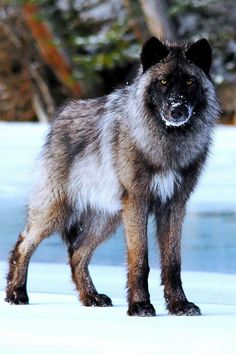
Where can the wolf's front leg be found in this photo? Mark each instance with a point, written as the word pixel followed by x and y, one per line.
pixel 135 214
pixel 169 222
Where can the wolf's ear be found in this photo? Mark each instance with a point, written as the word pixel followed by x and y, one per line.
pixel 152 53
pixel 200 54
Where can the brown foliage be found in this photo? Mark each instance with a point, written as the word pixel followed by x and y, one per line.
pixel 48 49
pixel 28 61
pixel 16 90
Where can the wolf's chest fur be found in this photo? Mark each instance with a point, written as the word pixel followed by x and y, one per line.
pixel 163 184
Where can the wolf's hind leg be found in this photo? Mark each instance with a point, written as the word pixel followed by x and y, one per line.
pixel 41 223
pixel 95 231
pixel 79 261
pixel 27 243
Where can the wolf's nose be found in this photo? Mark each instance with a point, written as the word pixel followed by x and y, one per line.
pixel 177 112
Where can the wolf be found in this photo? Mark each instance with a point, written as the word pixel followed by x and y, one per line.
pixel 120 158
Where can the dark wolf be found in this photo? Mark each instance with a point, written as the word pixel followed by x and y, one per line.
pixel 120 158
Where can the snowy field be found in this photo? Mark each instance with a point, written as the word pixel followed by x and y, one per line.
pixel 55 322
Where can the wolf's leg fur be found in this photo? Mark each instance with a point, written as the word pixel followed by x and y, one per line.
pixel 27 243
pixel 135 215
pixel 41 223
pixel 169 223
pixel 95 230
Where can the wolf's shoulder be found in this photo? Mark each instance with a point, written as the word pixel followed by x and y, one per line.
pixel 74 109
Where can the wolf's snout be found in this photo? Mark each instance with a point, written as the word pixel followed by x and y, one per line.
pixel 178 112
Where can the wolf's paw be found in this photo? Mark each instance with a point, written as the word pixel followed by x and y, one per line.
pixel 142 309
pixel 99 300
pixel 17 296
pixel 184 308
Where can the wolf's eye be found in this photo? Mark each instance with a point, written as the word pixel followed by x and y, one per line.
pixel 163 82
pixel 189 82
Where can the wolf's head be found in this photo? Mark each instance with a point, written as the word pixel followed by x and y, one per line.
pixel 178 77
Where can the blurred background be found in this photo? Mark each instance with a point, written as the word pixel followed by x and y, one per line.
pixel 55 50
pixel 52 50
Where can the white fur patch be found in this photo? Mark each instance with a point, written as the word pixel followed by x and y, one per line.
pixel 93 183
pixel 29 240
pixel 164 183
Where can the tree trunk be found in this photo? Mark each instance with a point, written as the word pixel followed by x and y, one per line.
pixel 137 21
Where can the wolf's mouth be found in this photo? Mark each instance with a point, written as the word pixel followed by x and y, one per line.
pixel 174 123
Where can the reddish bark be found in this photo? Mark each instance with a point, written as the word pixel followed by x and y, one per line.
pixel 49 51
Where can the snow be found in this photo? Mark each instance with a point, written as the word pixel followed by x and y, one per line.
pixel 55 321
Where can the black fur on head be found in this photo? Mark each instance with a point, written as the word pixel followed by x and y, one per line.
pixel 178 86
pixel 200 54
pixel 153 52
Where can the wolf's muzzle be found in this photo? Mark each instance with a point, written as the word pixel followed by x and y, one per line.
pixel 177 114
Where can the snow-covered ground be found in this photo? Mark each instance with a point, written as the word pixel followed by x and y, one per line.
pixel 55 322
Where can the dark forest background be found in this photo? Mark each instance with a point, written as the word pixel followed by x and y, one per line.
pixel 53 50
